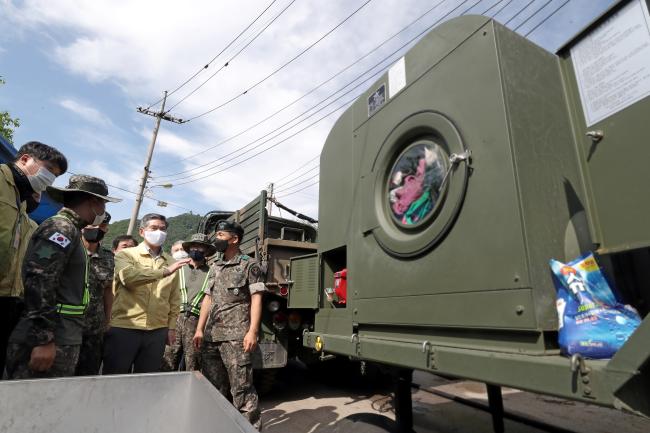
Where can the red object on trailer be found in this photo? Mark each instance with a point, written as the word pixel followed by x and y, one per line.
pixel 341 286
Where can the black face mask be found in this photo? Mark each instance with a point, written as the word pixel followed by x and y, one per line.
pixel 32 204
pixel 197 256
pixel 220 245
pixel 22 184
pixel 93 235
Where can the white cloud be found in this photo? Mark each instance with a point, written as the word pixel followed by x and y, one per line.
pixel 86 112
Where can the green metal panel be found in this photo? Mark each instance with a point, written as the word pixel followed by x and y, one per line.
pixel 304 287
pixel 335 321
pixel 550 189
pixel 498 310
pixel 531 343
pixel 615 168
pixel 336 170
pixel 253 218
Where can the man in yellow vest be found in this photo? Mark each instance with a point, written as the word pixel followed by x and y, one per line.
pixel 46 340
pixel 21 183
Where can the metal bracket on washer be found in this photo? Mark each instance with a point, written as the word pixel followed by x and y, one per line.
pixel 430 355
pixel 578 365
pixel 354 339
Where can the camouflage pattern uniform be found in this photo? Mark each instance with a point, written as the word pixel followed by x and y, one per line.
pixel 53 276
pixel 196 280
pixel 223 359
pixel 101 268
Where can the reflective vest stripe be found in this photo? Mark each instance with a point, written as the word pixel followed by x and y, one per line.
pixel 195 305
pixel 76 310
pixel 183 287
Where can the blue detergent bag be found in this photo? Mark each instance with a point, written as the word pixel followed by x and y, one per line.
pixel 592 322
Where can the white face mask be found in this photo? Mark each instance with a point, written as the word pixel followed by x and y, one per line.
pixel 41 180
pixel 155 237
pixel 180 255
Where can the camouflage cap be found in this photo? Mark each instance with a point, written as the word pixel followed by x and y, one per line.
pixel 199 239
pixel 230 226
pixel 82 183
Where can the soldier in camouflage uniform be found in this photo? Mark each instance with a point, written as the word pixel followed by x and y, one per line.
pixel 229 322
pixel 194 278
pixel 21 183
pixel 100 286
pixel 45 343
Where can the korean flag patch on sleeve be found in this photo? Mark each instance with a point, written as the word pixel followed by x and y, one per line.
pixel 59 239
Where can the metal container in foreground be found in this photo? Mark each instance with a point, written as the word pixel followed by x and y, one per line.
pixel 160 403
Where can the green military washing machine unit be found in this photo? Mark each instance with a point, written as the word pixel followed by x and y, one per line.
pixel 491 133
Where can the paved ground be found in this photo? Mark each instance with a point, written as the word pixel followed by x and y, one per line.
pixel 304 402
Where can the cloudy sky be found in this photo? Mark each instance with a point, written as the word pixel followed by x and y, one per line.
pixel 77 70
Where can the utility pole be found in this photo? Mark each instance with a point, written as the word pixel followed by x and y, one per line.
pixel 147 163
pixel 269 203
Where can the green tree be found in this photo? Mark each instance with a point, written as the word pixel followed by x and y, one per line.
pixel 7 123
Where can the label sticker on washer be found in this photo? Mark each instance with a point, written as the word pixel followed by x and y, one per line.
pixel 396 78
pixel 377 99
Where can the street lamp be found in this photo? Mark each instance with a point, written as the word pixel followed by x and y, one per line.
pixel 145 191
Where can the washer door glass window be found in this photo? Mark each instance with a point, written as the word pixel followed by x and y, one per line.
pixel 414 185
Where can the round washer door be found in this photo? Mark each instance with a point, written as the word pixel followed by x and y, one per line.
pixel 421 175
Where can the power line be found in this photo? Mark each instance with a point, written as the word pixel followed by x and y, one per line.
pixel 492 7
pixel 304 165
pixel 281 67
pixel 279 128
pixel 502 8
pixel 345 104
pixel 306 127
pixel 207 65
pixel 301 189
pixel 547 17
pixel 314 106
pixel 534 14
pixel 296 177
pixel 285 139
pixel 519 13
pixel 319 86
pixel 232 58
pixel 280 133
pixel 277 131
pixel 290 187
pixel 331 78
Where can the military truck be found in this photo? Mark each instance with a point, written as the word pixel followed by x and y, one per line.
pixel 446 188
pixel 272 241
